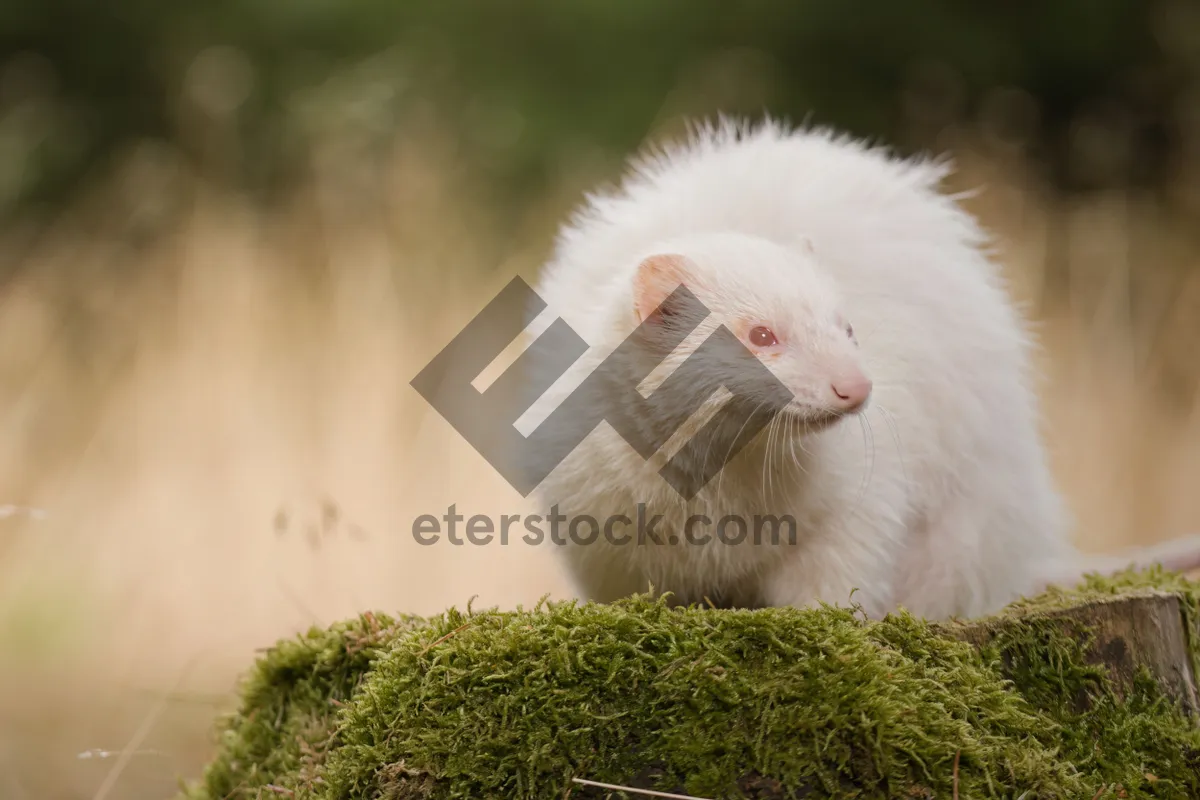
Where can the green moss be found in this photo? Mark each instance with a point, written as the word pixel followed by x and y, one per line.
pixel 516 704
pixel 1131 581
pixel 287 721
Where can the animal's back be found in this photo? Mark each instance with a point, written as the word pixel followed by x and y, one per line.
pixel 957 450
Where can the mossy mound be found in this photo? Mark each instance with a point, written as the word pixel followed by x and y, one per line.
pixel 817 703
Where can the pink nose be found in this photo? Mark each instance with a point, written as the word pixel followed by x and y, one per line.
pixel 851 392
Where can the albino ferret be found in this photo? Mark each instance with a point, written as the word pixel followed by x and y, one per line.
pixel 907 450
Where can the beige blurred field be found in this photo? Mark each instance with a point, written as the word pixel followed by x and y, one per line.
pixel 210 402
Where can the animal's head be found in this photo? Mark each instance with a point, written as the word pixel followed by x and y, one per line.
pixel 775 301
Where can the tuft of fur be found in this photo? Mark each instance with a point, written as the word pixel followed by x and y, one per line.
pixel 936 497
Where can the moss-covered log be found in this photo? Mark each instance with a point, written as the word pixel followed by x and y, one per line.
pixel 1147 630
pixel 1080 694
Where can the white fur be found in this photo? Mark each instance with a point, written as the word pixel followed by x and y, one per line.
pixel 937 497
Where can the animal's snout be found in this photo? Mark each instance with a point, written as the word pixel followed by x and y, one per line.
pixel 851 392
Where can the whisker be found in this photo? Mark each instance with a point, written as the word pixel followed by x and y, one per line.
pixel 868 435
pixel 798 440
pixel 890 420
pixel 767 458
pixel 732 444
pixel 791 437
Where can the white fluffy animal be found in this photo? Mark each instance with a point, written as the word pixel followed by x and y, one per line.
pixel 910 457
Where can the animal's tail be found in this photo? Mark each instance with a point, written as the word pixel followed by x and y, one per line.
pixel 1174 555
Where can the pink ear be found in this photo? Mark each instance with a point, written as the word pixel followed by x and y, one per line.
pixel 658 276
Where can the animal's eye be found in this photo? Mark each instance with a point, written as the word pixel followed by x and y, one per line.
pixel 762 337
pixel 849 330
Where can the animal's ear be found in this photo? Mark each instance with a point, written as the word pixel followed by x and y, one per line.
pixel 657 277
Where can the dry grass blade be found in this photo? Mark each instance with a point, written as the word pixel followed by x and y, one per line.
pixel 447 636
pixel 646 792
pixel 139 736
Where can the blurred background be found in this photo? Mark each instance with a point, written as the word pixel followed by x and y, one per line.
pixel 231 232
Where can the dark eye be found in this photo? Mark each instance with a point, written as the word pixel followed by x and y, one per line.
pixel 762 337
pixel 849 330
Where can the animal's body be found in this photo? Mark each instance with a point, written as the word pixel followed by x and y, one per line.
pixel 911 457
